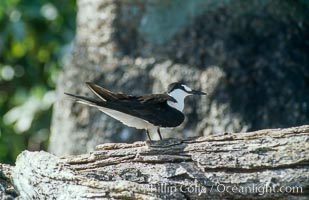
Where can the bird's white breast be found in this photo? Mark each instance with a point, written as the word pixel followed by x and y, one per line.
pixel 128 120
pixel 179 96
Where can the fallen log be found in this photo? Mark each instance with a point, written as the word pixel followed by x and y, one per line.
pixel 271 163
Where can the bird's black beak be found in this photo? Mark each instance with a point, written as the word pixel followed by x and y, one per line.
pixel 196 92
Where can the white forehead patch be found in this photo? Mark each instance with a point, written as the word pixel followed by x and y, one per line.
pixel 187 88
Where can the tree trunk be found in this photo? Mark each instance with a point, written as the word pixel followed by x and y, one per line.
pixel 271 163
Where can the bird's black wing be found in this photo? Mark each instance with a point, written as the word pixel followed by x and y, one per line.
pixel 156 98
pixel 151 108
pixel 107 95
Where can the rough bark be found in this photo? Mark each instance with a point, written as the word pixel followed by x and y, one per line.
pixel 251 59
pixel 7 190
pixel 192 168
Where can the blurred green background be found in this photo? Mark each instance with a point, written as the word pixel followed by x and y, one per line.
pixel 35 37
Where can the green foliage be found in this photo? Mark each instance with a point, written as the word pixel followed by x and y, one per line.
pixel 34 38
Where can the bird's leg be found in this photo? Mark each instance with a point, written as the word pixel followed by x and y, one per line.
pixel 148 135
pixel 158 130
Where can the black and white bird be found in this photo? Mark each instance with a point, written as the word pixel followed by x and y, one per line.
pixel 149 112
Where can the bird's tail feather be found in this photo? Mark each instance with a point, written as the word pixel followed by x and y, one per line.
pixel 86 100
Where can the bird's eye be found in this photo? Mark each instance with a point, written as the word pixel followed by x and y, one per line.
pixel 186 88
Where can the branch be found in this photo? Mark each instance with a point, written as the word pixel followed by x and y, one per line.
pixel 263 164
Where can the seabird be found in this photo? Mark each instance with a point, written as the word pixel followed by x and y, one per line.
pixel 149 112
